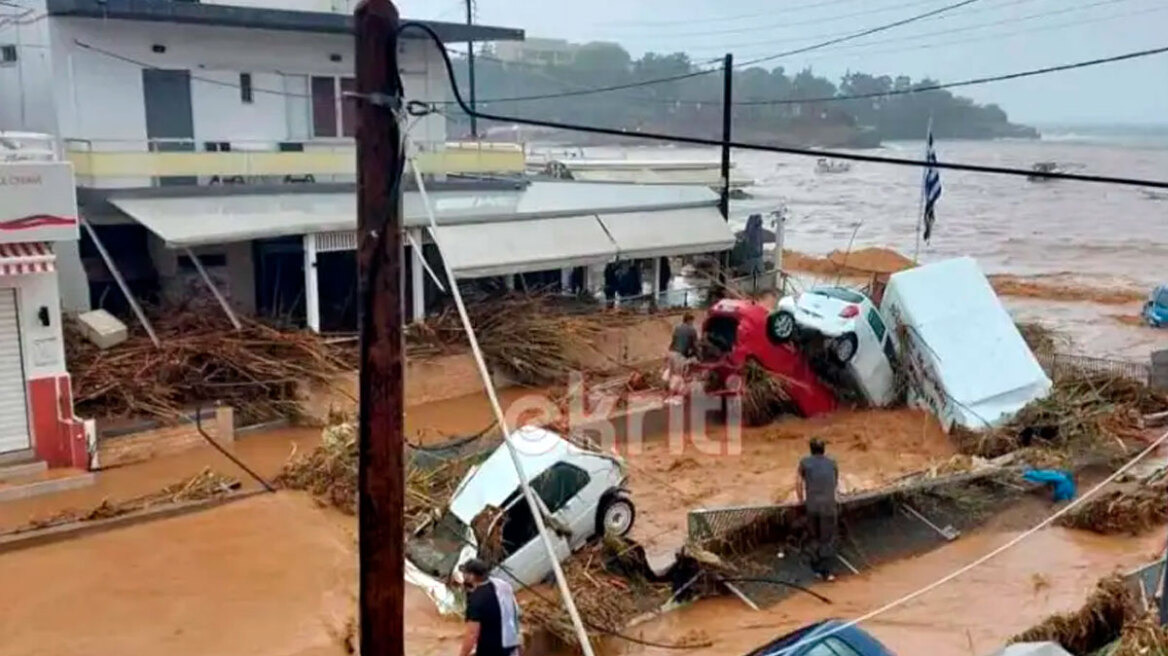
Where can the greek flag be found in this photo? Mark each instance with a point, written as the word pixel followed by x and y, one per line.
pixel 932 187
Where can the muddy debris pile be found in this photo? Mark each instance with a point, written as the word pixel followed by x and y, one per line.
pixel 1086 415
pixel 258 370
pixel 609 586
pixel 536 339
pixel 1112 613
pixel 207 484
pixel 329 474
pixel 1129 510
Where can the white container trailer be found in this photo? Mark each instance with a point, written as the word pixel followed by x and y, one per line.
pixel 963 357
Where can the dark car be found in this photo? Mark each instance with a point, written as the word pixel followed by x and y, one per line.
pixel 825 638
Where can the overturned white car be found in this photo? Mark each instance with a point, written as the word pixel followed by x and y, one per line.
pixel 582 493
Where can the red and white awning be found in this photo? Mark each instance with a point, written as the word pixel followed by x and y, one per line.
pixel 26 257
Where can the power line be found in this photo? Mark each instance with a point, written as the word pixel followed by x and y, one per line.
pixel 786 24
pixel 966 83
pixel 748 63
pixel 698 141
pixel 728 19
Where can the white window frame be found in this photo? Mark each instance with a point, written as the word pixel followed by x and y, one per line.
pixel 338 108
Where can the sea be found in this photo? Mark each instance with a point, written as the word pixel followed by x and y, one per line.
pixel 1090 234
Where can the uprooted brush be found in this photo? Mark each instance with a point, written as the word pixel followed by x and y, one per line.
pixel 1085 413
pixel 1130 510
pixel 329 474
pixel 536 339
pixel 1098 623
pixel 257 370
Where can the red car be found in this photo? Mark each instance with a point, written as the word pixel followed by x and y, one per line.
pixel 738 328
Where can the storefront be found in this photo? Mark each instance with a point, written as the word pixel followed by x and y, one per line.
pixel 38 209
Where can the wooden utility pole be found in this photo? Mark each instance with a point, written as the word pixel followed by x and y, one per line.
pixel 470 63
pixel 380 484
pixel 727 120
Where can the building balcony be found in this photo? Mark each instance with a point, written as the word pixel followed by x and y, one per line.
pixel 127 164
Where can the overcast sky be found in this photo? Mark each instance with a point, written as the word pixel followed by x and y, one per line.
pixel 987 37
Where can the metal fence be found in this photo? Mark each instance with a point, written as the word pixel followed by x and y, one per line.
pixel 709 523
pixel 1057 365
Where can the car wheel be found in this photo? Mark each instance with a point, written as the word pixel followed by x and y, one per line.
pixel 780 326
pixel 843 348
pixel 617 516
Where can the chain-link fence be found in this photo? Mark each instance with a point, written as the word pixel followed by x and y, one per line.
pixel 1061 364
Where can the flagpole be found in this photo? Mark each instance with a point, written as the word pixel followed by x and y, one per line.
pixel 921 208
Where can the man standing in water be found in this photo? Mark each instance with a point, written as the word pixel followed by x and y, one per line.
pixel 492 615
pixel 818 482
pixel 683 347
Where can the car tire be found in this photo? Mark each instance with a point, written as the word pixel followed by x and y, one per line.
pixel 843 348
pixel 616 516
pixel 780 327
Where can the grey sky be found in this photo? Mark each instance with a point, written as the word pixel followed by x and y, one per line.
pixel 987 37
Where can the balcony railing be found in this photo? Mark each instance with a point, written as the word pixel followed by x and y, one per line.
pixel 114 163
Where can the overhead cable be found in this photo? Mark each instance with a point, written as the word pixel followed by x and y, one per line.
pixel 808 152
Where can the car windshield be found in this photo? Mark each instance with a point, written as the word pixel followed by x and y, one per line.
pixel 783 642
pixel 436 550
pixel 839 293
pixel 1162 297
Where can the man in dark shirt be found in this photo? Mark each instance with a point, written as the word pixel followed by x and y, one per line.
pixel 492 615
pixel 818 482
pixel 683 347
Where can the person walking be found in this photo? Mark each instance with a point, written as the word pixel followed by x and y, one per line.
pixel 817 487
pixel 683 347
pixel 492 614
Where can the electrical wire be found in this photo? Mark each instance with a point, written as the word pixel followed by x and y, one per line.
pixel 745 64
pixel 857 157
pixel 964 83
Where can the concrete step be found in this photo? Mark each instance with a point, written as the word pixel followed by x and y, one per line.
pixel 15 473
pixel 48 481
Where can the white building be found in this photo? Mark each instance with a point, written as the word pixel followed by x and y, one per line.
pixel 213 148
pixel 38 215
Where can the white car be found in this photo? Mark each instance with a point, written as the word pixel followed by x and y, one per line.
pixel 582 492
pixel 851 327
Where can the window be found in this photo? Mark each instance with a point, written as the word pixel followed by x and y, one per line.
pixel 1162 297
pixel 245 90
pixel 877 324
pixel 840 293
pixel 324 107
pixel 7 54
pixel 840 648
pixel 333 114
pixel 559 484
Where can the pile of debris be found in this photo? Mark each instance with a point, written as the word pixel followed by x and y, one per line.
pixel 329 474
pixel 1131 510
pixel 1086 413
pixel 1111 615
pixel 535 339
pixel 258 370
pixel 207 484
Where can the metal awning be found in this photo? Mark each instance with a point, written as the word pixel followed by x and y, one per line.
pixel 492 249
pixel 664 234
pixel 202 220
pixel 26 257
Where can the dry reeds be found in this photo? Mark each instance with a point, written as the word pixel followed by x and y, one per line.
pixel 207 484
pixel 763 396
pixel 1143 636
pixel 329 474
pixel 1095 625
pixel 1085 412
pixel 1130 510
pixel 201 358
pixel 536 339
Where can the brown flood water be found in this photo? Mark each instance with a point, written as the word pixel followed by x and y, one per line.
pixel 973 615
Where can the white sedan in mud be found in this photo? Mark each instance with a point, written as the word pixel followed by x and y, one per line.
pixel 851 328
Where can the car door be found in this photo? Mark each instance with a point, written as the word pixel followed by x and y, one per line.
pixel 525 558
pixel 564 488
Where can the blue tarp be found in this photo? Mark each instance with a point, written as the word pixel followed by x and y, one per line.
pixel 1064 485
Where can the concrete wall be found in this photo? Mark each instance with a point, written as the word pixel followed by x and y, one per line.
pixel 98 94
pixel 44 350
pixel 25 87
pixel 235 280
